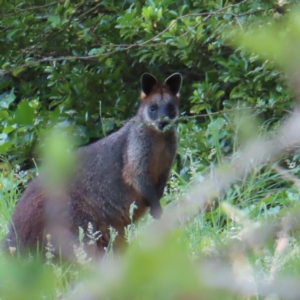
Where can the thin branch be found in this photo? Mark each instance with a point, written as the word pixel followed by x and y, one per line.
pixel 208 14
pixel 72 58
pixel 196 116
pixel 194 27
pixel 33 8
pixel 239 23
pixel 48 32
pixel 236 16
pixel 90 10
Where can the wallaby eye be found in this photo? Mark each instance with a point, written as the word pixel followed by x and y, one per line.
pixel 171 111
pixel 152 108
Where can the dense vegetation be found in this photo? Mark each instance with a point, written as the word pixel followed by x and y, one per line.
pixel 75 66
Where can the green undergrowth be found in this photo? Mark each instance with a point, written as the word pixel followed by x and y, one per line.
pixel 173 267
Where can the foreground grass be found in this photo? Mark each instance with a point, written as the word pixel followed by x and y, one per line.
pixel 194 260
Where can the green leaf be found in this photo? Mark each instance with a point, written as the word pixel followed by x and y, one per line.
pixel 236 93
pixel 216 125
pixel 159 13
pixel 3 138
pixel 54 20
pixel 67 4
pixel 24 114
pixel 197 108
pixel 17 71
pixel 5 147
pixel 108 62
pixel 4 115
pixel 278 41
pixel 9 129
pixel 96 51
pixel 6 99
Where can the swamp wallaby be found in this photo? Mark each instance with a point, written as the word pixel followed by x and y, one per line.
pixel 130 165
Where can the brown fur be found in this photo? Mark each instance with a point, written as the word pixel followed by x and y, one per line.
pixel 130 165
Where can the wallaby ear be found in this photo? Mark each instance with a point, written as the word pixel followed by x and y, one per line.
pixel 174 82
pixel 148 83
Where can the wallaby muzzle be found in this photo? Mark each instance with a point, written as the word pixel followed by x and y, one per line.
pixel 162 125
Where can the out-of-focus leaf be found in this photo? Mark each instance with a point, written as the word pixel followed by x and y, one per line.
pixel 6 99
pixel 24 114
pixel 279 41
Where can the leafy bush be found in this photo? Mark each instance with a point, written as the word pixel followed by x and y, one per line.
pixel 77 65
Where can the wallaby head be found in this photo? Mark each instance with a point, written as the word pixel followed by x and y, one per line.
pixel 160 101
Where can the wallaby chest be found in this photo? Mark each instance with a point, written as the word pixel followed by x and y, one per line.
pixel 162 154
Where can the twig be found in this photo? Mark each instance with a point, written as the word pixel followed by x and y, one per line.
pixel 236 16
pixel 215 113
pixel 194 27
pixel 72 58
pixel 208 14
pixel 33 8
pixel 90 10
pixel 239 23
pixel 196 116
